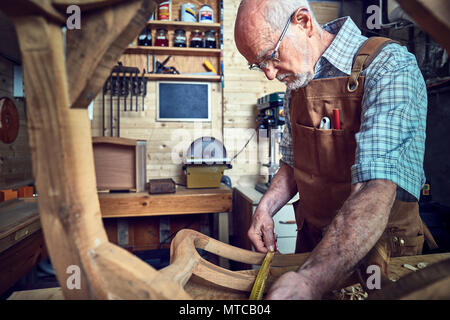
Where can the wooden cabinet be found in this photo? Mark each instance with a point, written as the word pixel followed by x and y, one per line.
pixel 188 61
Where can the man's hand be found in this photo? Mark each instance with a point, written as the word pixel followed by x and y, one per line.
pixel 261 231
pixel 281 190
pixel 293 286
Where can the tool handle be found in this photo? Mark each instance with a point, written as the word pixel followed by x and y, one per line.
pixel 274 242
pixel 209 66
pixel 336 119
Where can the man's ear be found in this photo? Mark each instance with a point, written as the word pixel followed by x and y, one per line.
pixel 302 18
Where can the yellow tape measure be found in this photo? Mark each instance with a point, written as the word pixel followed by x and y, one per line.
pixel 260 281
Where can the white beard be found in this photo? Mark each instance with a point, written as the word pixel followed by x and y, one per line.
pixel 300 80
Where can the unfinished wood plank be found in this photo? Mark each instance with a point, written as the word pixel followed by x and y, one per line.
pixel 430 283
pixel 25 192
pixel 6 195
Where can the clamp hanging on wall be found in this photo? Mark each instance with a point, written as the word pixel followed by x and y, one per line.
pixel 126 84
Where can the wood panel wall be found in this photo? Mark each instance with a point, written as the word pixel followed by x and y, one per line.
pixel 242 89
pixel 15 158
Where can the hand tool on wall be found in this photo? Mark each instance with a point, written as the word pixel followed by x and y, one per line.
pixel 209 66
pixel 161 67
pixel 123 81
pixel 143 87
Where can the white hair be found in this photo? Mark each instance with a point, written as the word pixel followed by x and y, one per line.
pixel 278 12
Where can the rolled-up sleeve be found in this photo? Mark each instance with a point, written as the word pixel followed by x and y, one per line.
pixel 391 140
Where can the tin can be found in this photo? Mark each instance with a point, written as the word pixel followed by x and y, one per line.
pixel 206 14
pixel 164 11
pixel 188 12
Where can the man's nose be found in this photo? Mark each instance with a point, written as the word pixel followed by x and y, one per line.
pixel 270 72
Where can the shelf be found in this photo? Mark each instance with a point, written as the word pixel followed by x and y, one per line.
pixel 178 24
pixel 174 51
pixel 187 77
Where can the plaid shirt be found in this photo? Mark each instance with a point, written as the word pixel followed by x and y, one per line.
pixel 391 140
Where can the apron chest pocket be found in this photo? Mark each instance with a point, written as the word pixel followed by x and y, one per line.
pixel 329 153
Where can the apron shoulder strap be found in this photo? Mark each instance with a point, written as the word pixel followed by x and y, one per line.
pixel 365 55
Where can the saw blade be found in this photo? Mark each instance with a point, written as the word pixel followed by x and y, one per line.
pixel 260 281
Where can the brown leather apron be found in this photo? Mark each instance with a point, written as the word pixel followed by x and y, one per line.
pixel 323 160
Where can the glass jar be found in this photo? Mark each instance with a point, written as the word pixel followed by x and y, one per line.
pixel 179 38
pixel 145 37
pixel 210 39
pixel 161 38
pixel 196 39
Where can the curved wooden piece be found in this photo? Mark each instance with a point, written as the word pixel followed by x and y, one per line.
pixel 124 276
pixel 432 282
pixel 185 261
pixel 187 264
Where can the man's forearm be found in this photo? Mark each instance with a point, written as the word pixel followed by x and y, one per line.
pixel 353 232
pixel 282 188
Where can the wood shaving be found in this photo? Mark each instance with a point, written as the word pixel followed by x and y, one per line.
pixel 355 292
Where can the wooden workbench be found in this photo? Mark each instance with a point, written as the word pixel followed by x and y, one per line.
pixel 137 221
pixel 184 201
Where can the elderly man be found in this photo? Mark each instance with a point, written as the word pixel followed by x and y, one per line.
pixel 359 180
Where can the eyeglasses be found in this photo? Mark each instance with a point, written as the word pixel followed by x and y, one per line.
pixel 263 64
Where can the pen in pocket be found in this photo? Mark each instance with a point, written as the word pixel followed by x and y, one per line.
pixel 336 119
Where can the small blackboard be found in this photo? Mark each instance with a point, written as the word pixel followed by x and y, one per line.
pixel 184 101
